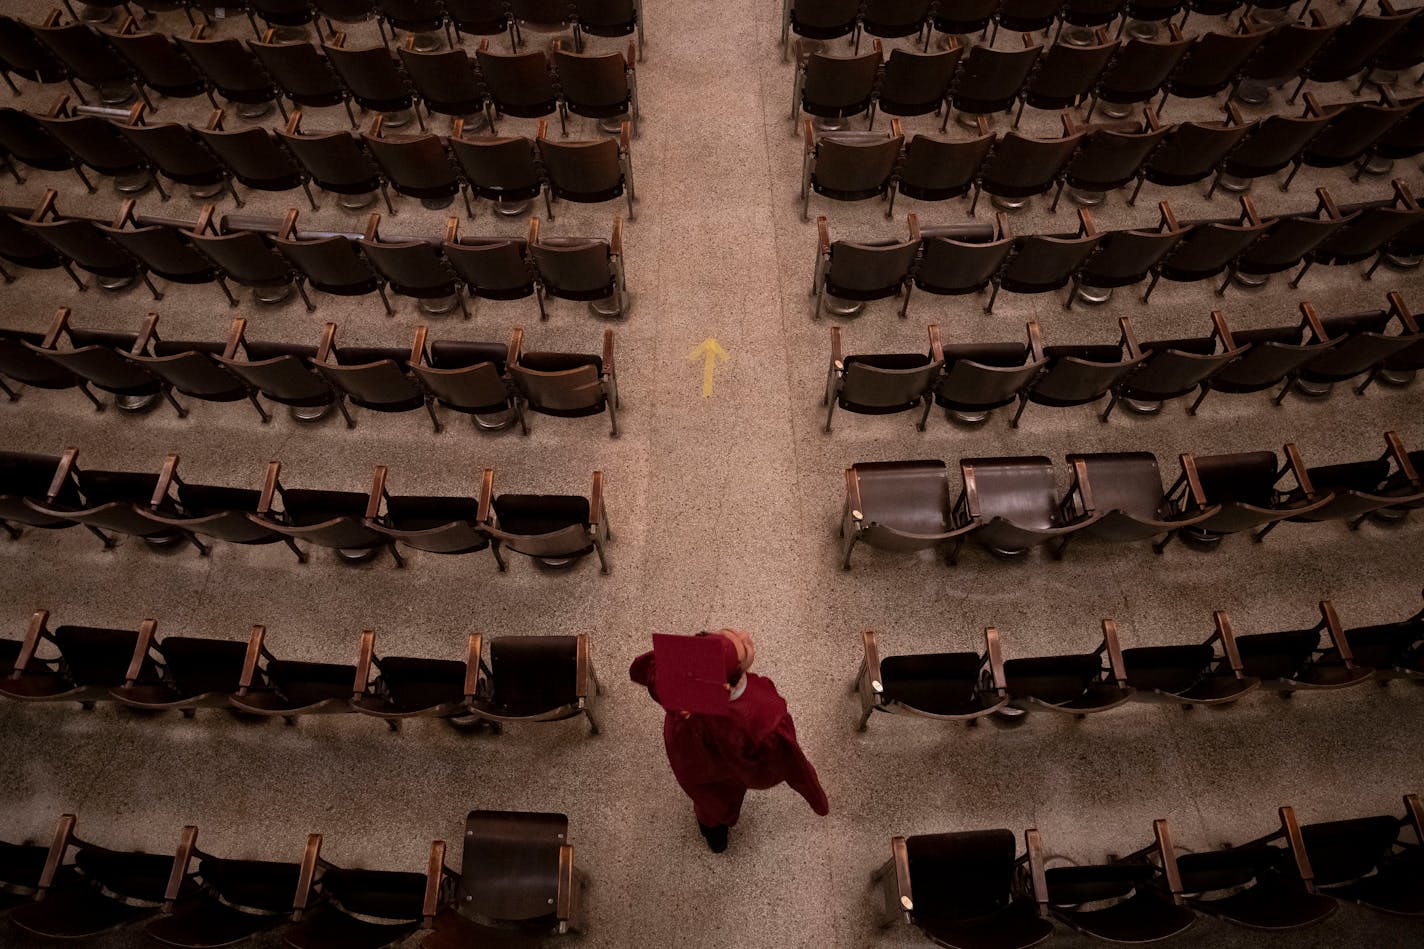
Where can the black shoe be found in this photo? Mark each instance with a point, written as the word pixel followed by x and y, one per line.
pixel 716 837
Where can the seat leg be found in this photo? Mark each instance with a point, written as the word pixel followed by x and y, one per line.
pixel 539 298
pixel 464 308
pixel 395 555
pixel 925 416
pixel 1132 201
pixel 109 542
pixel 548 202
pixel 148 282
pixel 1369 380
pixel 301 289
pixel 10 393
pixel 1285 391
pixel 292 545
pixel 1261 535
pixel 830 413
pixel 469 208
pixel 1112 404
pixel 232 190
pixel 602 558
pixel 11 530
pixel 10 82
pixel 380 288
pixel 1215 181
pixel 848 547
pixel 1072 293
pixel 177 406
pixel 261 412
pixel 14 172
pixel 434 420
pixel 1230 275
pixel 1370 273
pixel 1058 193
pixel 88 394
pixel 386 193
pixel 1285 186
pixel 1023 404
pixel 158 185
pixel 203 549
pixel 231 300
pixel 1192 409
pixel 1152 285
pixel 523 419
pixel 1299 86
pixel 989 307
pixel 6 275
pixel 1295 281
pixel 905 304
pixel 494 548
pixel 974 203
pixel 341 404
pixel 349 114
pixel 75 277
pixel 1018 116
pixel 1161 545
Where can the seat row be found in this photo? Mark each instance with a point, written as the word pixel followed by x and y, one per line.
pixel 273 257
pixel 255 75
pixel 967 687
pixel 527 678
pixel 431 168
pixel 496 384
pixel 1010 505
pixel 959 259
pixel 48 492
pixel 972 890
pixel 517 879
pixel 970 380
pixel 986 80
pixel 1095 159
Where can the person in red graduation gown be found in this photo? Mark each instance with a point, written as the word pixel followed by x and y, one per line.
pixel 748 742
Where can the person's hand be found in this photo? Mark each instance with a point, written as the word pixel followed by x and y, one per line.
pixel 745 647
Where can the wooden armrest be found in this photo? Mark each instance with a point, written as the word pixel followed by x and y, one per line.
pixel 1001 226
pixel 1296 843
pixel 630 58
pixel 1168 855
pixel 1227 635
pixel 205 220
pixel 542 130
pixel 63 835
pixel 62 474
pixel 473 644
pixel 1248 211
pixel 1169 219
pixel 581 665
pixel 417 346
pixel 1331 621
pixel 1035 341
pixel 625 138
pixel 994 650
pixel 1174 31
pixel 608 352
pixel 981 123
pixel 328 343
pixel 250 660
pixel 142 646
pixel 808 137
pixel 187 843
pixel 564 904
pixel 900 856
pixel 373 227
pixel 36 631
pixel 365 657
pixel 270 487
pixel 46 208
pixel 1221 331
pixel 533 237
pixel 294 123
pixel 136 112
pixel 1297 468
pixel 1395 450
pixel 147 336
pixel 288 230
pixel 1037 875
pixel 1401 311
pixel 58 326
pixel 872 661
pixel 1070 125
pixel 235 338
pixel 823 235
pixel 1312 320
pixel 615 243
pixel 1327 204
pixel 936 347
pixel 1083 486
pixel 1414 815
pixel 595 500
pixel 971 490
pixel 1114 650
pixel 215 121
pixel 452 230
pixel 434 876
pixel 482 514
pixel 1312 106
pixel 1402 194
pixel 1129 337
pixel 516 346
pixel 337 39
pixel 853 501
pixel 269 35
pixel 306 878
pixel 896 129
pixel 126 213
pixel 378 491
pixel 912 223
pixel 1086 227
pixel 836 359
pixel 53 19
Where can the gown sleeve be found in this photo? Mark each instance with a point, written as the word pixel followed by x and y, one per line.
pixel 800 773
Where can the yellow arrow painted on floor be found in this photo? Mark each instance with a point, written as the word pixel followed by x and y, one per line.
pixel 711 354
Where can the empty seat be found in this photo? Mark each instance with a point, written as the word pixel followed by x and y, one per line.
pixel 302 72
pixel 1369 860
pixel 282 372
pixel 881 383
pixel 174 152
pixel 158 244
pixel 936 169
pixel 1242 488
pixel 1075 684
pixel 848 166
pixel 1209 247
pixel 180 672
pixel 373 377
pixel 416 166
pixel 1353 46
pixel 1125 490
pixel 1140 68
pixel 1020 167
pixel 1212 63
pixel 24 140
pixel 587 269
pixel 900 506
pixel 601 86
pixel 1043 263
pixel 372 76
pixel 22 361
pixel 518 84
pixel 394 688
pixel 333 519
pixel 215 511
pixel 568 385
pixel 157 63
pixel 1361 344
pixel 949 686
pixel 1067 73
pixel 480 17
pixel 435 524
pixel 72 664
pixel 1110 157
pixel 1189 674
pixel 495 268
pixel 468 377
pixel 87 57
pixel 1014 503
pixel 589 172
pixel 364 909
pixel 247 257
pixel 1392 650
pixel 833 87
pixel 1288 241
pixel 329 262
pixel 336 162
pixel 1123 258
pixel 1367 231
pixel 989 80
pixel 608 18
pixel 94 356
pixel 818 19
pixel 444 80
pixel 286 688
pixel 1353 127
pixel 27 475
pixel 189 367
pixel 1359 488
pixel 255 157
pixel 23 55
pixel 916 83
pixel 501 169
pixel 555 530
pixel 1082 374
pixel 413 267
pixel 233 72
pixel 1266 148
pixel 980 377
pixel 1175 367
pixel 963 258
pixel 854 272
pixel 1194 151
pixel 537 679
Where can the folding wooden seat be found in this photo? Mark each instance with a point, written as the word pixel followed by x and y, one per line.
pixel 174 152
pixel 848 166
pixel 25 475
pixel 423 19
pixel 333 519
pixel 21 245
pixel 1352 128
pixel 1401 52
pixel 949 686
pixel 24 140
pixel 915 83
pixel 1273 355
pixel 86 56
pixel 216 511
pixel 1082 374
pixel 1361 345
pixel 468 376
pixel 1067 73
pixel 1132 899
pixel 412 687
pixel 98 891
pixel 282 372
pixel 247 257
pixel 1139 69
pixel 22 363
pixel 535 679
pixel 517 881
pixel 1288 241
pixel 539 16
pixel 960 889
pixel 1212 64
pixel 1266 148
pixel 556 530
pixel 236 900
pixel 1146 16
pixel 1353 46
pixel 1209 247
pixel 233 72
pixel 81 243
pixel 567 385
pixel 437 525
pixel 211 10
pixel 328 261
pixel 180 672
pixel 414 267
pixel 518 84
pixel 255 157
pixel 1125 490
pixel 347 12
pixel 157 64
pixel 373 377
pixel 1243 488
pixel 1175 367
pixel 585 269
pixel 302 72
pixel 1358 489
pixel 901 506
pixel 852 273
pixel 363 909
pixel 444 80
pixel 86 662
pixel 157 243
pixel 480 17
pixel 1077 684
pixel 94 356
pixel 287 688
pixel 980 377
pixel 189 367
pixel 882 383
pixel 289 18
pixel 1192 152
pixel 1372 861
pixel 936 169
pixel 416 166
pixel 833 88
pixel 1124 258
pixel 962 258
pixel 23 55
pixel 1014 502
pixel 1020 167
pixel 1403 139
pixel 1025 16
pixel 587 172
pixel 337 163
pixel 1297 659
pixel 503 169
pixel 601 86
pixel 373 79
pixel 1189 674
pixel 1044 263
pixel 1368 230
pixel 610 18
pixel 989 80
pixel 1111 156
pixel 22 865
pixel 1392 650
pixel 1282 55
pixel 818 20
pixel 1255 884
pixel 960 19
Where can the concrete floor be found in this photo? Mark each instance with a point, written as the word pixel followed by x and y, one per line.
pixel 725 510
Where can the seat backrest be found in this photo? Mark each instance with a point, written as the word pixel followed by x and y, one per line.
pixel 1020 163
pixel 1140 68
pixel 445 79
pixel 95 142
pixel 1045 262
pixel 1128 254
pixel 22 137
pixel 301 70
pixel 497 164
pixel 24 55
pixel 173 150
pixel 161 248
pixel 989 78
pixel 95 357
pixel 1345 850
pixel 854 162
pixel 281 371
pixel 1271 144
pixel 1109 158
pixel 1208 247
pixel 510 869
pixel 328 262
pixel 542 525
pixel 253 155
pixel 476 387
pixel 883 266
pixel 376 382
pixel 1192 151
pixel 573 264
pixel 913 81
pixel 1351 131
pixel 1363 347
pixel 1286 241
pixel 592 79
pixel 229 66
pixel 934 167
pixel 1021 490
pixel 157 59
pixel 950 266
pixel 335 160
pixel 963 875
pixel 370 73
pixel 582 168
pixel 1289 47
pixel 495 265
pixel 481 17
pixel 1213 61
pixel 414 163
pixel 383 894
pixel 837 82
pixel 28 475
pixel 1366 230
pixel 81 240
pixel 83 51
pixel 533 674
pixel 1243 477
pixel 409 264
pixel 1358 39
pixel 887 381
pixel 94 655
pixel 1079 374
pixel 198 666
pixel 23 364
pixel 518 83
pixel 987 374
pixel 828 18
pixel 1065 73
pixel 1175 366
pixel 190 368
pixel 244 256
pixel 559 382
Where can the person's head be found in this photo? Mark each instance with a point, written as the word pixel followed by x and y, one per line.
pixel 741 656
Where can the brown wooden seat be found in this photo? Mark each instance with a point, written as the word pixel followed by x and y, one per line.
pixel 1013 504
pixel 1297 659
pixel 588 269
pixel 848 166
pixel 948 686
pixel 362 909
pixel 372 377
pixel 413 687
pixel 534 679
pixel 567 385
pixel 86 662
pixel 1189 674
pixel 900 506
pixel 287 688
pixel 468 376
pixel 437 525
pixel 111 502
pixel 216 511
pixel 556 530
pixel 1077 684
pixel 283 372
pixel 1244 488
pixel 334 519
pixel 25 475
pixel 180 672
pixel 882 383
pixel 1372 861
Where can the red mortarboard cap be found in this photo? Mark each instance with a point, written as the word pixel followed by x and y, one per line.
pixel 692 673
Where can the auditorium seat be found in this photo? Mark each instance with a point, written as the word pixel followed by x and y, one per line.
pixel 360 908
pixel 601 86
pixel 1175 367
pixel 948 686
pixel 287 688
pixel 853 273
pixel 159 246
pixel 1082 374
pixel 1297 659
pixel 468 376
pixel 881 383
pixel 413 687
pixel 336 162
pixel 189 367
pixel 1077 684
pixel 535 679
pixel 981 377
pixel 937 169
pixel 80 663
pixel 1014 502
pixel 567 385
pixel 554 530
pixel 900 506
pixel 180 672
pixel 584 269
pixel 216 511
pixel 1189 674
pixel 93 355
pixel 1243 488
pixel 1361 342
pixel 1359 488
pixel 333 519
pixel 435 524
pixel 1020 167
pixel 587 172
pixel 283 372
pixel 848 166
pixel 417 166
pixel 1125 490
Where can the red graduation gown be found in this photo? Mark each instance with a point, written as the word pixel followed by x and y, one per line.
pixel 717 758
